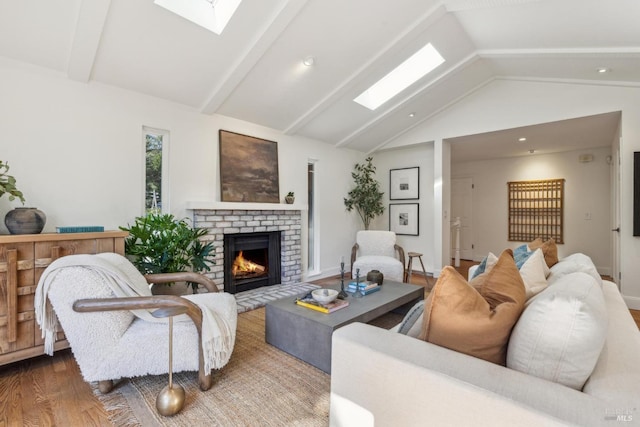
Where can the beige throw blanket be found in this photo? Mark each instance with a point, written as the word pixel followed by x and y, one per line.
pixel 125 280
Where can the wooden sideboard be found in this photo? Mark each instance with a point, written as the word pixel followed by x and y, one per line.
pixel 23 258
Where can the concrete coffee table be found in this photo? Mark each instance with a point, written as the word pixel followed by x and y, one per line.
pixel 306 334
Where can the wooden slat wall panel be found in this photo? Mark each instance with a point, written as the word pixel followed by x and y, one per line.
pixel 536 209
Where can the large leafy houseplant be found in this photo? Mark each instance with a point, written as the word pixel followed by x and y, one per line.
pixel 366 197
pixel 160 243
pixel 8 184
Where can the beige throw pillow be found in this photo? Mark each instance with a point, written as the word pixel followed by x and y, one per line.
pixel 475 322
pixel 549 249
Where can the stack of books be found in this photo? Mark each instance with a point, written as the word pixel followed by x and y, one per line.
pixel 365 288
pixel 80 229
pixel 309 302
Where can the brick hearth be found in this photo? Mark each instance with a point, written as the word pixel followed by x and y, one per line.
pixel 229 221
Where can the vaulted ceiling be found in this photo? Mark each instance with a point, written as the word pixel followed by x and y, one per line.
pixel 254 70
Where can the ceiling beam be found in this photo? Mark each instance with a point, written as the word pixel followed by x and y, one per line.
pixel 419 25
pixel 263 39
pixel 589 52
pixel 464 63
pixel 383 145
pixel 460 5
pixel 630 52
pixel 86 40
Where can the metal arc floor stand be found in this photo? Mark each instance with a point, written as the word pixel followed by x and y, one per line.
pixel 171 399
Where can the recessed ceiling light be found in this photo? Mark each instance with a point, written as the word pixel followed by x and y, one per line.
pixel 309 61
pixel 523 139
pixel 603 70
pixel 412 115
pixel 411 70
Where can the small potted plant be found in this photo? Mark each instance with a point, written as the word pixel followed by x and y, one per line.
pixel 160 243
pixel 21 220
pixel 290 197
pixel 8 184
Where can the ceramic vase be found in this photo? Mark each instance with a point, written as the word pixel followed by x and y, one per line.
pixel 375 276
pixel 25 221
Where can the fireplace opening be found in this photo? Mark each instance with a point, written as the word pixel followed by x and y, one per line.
pixel 251 260
pixel 253 265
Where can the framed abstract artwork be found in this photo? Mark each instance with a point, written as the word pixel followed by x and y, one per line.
pixel 404 184
pixel 248 169
pixel 404 218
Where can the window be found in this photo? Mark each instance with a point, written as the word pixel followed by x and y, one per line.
pixel 404 75
pixel 214 15
pixel 156 174
pixel 314 253
pixel 536 210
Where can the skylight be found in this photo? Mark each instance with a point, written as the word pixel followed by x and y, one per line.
pixel 210 14
pixel 414 68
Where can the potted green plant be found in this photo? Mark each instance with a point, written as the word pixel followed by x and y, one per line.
pixel 366 197
pixel 8 183
pixel 290 197
pixel 160 243
pixel 21 220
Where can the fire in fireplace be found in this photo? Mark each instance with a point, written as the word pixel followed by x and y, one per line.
pixel 244 268
pixel 251 260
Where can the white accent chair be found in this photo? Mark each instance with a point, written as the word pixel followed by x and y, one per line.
pixel 377 250
pixel 109 342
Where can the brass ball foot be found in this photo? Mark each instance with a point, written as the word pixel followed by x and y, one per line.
pixel 170 400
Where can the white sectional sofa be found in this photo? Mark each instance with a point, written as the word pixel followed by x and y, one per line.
pixel 384 378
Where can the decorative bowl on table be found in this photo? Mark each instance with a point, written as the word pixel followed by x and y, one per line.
pixel 324 296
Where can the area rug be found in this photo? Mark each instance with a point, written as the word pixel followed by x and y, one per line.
pixel 260 385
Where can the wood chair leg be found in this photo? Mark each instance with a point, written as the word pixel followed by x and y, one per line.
pixel 105 386
pixel 205 381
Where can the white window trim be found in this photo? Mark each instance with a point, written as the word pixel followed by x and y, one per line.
pixel 166 136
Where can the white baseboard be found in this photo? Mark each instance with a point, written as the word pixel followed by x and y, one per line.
pixel 632 302
pixel 317 275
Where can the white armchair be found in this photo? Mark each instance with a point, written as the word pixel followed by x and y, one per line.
pixel 110 330
pixel 377 250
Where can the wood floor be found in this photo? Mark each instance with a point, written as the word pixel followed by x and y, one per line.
pixel 49 391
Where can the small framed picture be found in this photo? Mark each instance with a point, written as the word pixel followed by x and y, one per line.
pixel 404 184
pixel 404 219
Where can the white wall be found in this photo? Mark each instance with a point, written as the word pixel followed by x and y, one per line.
pixel 504 104
pixel 420 155
pixel 587 190
pixel 76 152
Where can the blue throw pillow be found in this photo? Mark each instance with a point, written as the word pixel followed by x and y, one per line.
pixel 521 249
pixel 520 255
pixel 481 267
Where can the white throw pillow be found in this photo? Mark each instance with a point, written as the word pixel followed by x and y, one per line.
pixel 533 273
pixel 484 267
pixel 561 333
pixel 571 264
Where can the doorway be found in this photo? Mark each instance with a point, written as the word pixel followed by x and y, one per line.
pixel 462 207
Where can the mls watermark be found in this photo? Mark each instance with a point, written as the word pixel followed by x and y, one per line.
pixel 619 414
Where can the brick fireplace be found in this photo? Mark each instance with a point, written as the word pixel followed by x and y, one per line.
pixel 227 218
